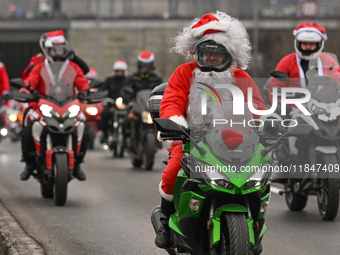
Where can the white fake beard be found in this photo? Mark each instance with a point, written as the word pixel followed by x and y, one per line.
pixel 194 115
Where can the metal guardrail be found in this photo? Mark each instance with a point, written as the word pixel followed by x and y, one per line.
pixel 125 9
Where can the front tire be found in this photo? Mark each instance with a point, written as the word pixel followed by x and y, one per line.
pixel 137 162
pixel 234 235
pixel 295 202
pixel 120 143
pixel 149 151
pixel 60 179
pixel 46 191
pixel 328 198
pixel 92 134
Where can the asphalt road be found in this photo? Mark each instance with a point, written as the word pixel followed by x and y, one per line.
pixel 109 213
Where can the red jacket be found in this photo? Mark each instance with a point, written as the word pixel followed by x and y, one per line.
pixel 290 64
pixel 37 83
pixel 175 98
pixel 34 61
pixel 4 80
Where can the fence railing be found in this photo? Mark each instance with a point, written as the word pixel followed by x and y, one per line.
pixel 125 9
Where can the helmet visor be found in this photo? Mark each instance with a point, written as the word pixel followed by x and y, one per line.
pixel 145 67
pixel 211 54
pixel 58 51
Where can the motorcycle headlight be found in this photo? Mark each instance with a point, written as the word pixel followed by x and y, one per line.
pixel 119 103
pixel 74 110
pixel 222 183
pixel 12 117
pixel 146 117
pixel 3 132
pixel 335 112
pixel 217 178
pixel 260 177
pixel 319 110
pixel 46 110
pixel 91 110
pixel 252 184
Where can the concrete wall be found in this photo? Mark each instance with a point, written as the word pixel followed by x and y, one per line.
pixel 125 39
pixel 100 49
pixel 101 43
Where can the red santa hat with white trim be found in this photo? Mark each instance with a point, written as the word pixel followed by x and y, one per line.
pixel 146 56
pixel 120 64
pixel 310 32
pixel 222 29
pixel 53 38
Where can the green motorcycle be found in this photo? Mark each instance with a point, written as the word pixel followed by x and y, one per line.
pixel 223 189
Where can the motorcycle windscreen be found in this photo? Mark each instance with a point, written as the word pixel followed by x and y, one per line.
pixel 323 78
pixel 230 130
pixel 59 80
pixel 232 138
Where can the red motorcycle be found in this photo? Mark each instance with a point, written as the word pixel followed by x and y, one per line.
pixel 58 128
pixel 92 114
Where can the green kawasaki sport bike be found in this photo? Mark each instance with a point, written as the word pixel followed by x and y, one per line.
pixel 223 189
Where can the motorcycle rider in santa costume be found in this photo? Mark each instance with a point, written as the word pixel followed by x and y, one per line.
pixel 220 48
pixel 55 48
pixel 309 43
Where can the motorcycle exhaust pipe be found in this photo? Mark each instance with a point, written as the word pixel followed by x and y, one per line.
pixel 155 218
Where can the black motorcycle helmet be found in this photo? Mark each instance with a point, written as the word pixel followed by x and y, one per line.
pixel 220 58
pixel 146 62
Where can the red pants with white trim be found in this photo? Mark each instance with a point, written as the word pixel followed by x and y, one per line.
pixel 170 172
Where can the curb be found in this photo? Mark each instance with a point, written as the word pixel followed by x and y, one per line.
pixel 17 240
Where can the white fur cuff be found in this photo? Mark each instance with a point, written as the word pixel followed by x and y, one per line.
pixel 167 197
pixel 180 120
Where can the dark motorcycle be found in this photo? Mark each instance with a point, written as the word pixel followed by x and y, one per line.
pixel 115 136
pixel 92 114
pixel 141 142
pixel 320 174
pixel 58 127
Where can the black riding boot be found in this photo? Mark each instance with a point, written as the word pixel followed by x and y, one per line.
pixel 162 239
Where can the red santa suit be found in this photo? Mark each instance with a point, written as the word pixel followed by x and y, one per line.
pixel 33 62
pixel 291 64
pixel 225 31
pixel 38 84
pixel 174 106
pixel 4 80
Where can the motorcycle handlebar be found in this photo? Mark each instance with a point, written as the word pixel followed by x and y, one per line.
pixel 170 135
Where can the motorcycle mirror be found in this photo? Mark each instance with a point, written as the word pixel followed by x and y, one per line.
pixel 282 76
pixel 279 74
pixel 300 131
pixel 96 83
pixel 17 83
pixel 93 97
pixel 23 97
pixel 166 125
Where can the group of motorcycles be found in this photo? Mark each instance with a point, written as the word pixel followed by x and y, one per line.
pixel 222 192
pixel 61 120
